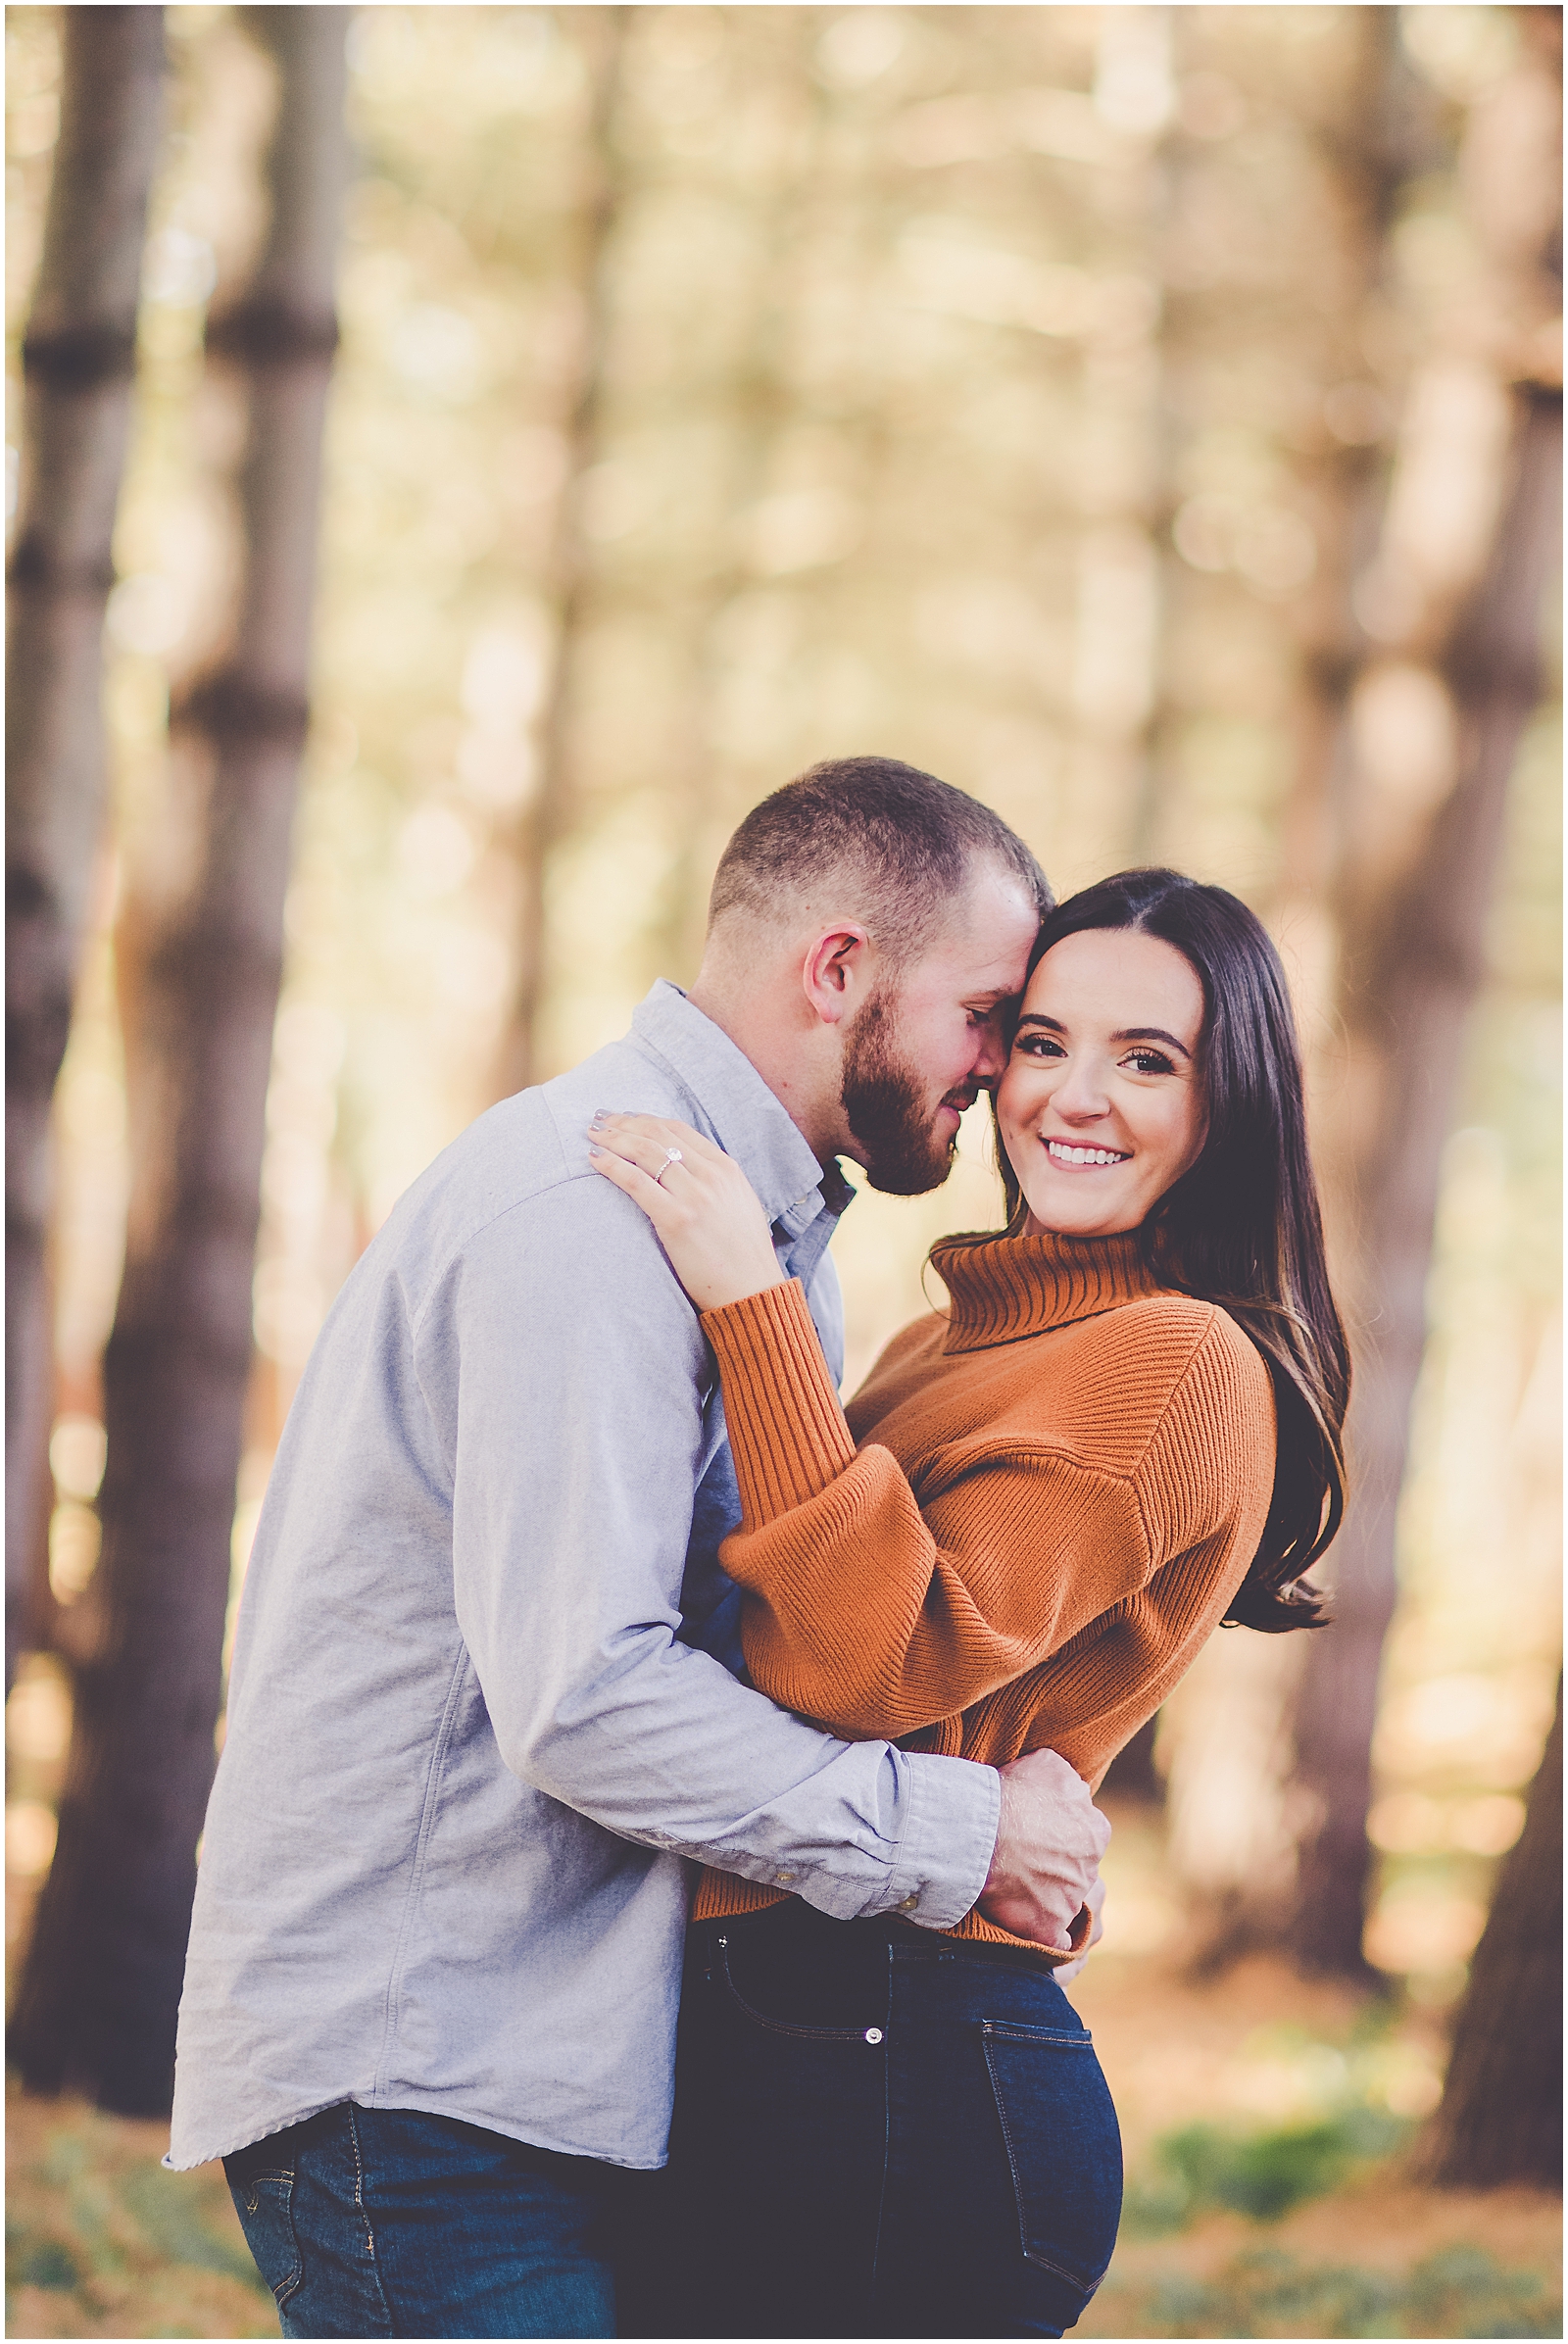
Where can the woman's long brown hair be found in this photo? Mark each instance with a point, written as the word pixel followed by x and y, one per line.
pixel 1242 1228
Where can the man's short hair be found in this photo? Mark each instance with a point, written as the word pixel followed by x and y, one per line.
pixel 906 841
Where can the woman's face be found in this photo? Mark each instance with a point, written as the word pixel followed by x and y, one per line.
pixel 1100 1108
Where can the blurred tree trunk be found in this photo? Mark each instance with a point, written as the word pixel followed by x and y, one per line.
pixel 1411 907
pixel 78 359
pixel 1412 949
pixel 101 1988
pixel 1501 2116
pixel 1375 153
pixel 784 211
pixel 1232 1806
pixel 551 810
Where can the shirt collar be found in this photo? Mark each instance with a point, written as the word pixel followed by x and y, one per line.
pixel 740 1111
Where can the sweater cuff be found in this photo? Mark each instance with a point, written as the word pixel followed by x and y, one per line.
pixel 787 1431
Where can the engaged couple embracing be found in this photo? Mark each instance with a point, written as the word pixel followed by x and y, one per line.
pixel 630 1749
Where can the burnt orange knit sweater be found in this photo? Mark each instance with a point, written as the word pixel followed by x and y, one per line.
pixel 1058 1488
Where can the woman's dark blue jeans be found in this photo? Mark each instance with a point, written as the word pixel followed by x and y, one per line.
pixel 881 2132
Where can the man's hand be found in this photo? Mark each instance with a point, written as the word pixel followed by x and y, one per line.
pixel 1065 1971
pixel 1048 1845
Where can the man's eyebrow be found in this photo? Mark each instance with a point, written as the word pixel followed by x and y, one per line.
pixel 1054 1025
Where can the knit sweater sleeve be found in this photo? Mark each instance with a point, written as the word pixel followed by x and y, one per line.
pixel 861 1610
pixel 1204 1484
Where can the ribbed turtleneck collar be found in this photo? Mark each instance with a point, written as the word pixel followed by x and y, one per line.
pixel 1007 1287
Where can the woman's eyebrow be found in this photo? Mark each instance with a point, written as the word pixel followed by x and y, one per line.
pixel 1152 1034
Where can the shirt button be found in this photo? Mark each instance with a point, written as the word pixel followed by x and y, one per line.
pixel 909 1902
pixel 873 2034
pixel 782 1877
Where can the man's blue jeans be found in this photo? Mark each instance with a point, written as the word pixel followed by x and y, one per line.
pixel 383 2222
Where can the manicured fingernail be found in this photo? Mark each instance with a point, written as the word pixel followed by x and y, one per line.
pixel 596 1151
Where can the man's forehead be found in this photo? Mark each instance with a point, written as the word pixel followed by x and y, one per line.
pixel 993 923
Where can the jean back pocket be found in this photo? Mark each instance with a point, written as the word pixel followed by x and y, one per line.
pixel 263 2200
pixel 1063 2145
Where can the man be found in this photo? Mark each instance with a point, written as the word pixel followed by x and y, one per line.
pixel 477 1707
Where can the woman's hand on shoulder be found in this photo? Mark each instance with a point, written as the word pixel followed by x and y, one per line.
pixel 706 1214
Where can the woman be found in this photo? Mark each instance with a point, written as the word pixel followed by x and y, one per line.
pixel 1126 1430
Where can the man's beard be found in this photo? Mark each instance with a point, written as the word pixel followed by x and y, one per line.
pixel 885 1107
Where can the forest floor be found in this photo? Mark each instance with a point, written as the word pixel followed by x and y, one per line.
pixel 1268 2127
pixel 1269 2188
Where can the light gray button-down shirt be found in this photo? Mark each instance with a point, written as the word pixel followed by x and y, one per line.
pixel 478 1708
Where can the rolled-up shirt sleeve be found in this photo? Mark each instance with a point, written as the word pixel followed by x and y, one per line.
pixel 568 1377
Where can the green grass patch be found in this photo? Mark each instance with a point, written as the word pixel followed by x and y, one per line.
pixel 1461 2291
pixel 101 2241
pixel 1261 2174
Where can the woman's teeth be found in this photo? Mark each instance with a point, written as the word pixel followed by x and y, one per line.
pixel 1062 1154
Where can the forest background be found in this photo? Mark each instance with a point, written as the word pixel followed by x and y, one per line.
pixel 1141 416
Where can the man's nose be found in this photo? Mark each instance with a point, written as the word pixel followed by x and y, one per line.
pixel 991 1058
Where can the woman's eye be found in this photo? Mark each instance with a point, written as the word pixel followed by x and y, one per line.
pixel 1039 1045
pixel 1149 1061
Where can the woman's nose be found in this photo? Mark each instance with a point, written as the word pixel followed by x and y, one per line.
pixel 1081 1094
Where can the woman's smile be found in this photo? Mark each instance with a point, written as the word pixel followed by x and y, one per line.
pixel 1063 1151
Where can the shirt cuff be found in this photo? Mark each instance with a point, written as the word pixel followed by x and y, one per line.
pixel 952 1811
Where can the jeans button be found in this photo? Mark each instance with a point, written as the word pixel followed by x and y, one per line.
pixel 873 2034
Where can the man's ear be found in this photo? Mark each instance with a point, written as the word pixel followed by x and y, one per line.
pixel 835 973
